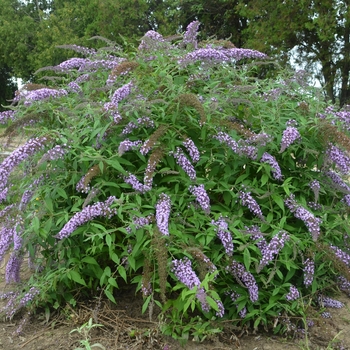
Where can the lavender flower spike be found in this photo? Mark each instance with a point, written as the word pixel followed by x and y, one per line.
pixel 163 208
pixel 272 249
pixel 224 235
pixel 309 270
pixel 192 150
pixel 339 158
pixel 184 163
pixel 185 274
pixel 245 277
pixel 191 34
pixel 271 160
pixel 122 93
pixel 251 203
pixel 89 213
pixel 293 294
pixel 290 135
pixel 315 186
pixel 201 197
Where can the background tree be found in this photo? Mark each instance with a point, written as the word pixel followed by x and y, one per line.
pixel 318 30
pixel 7 87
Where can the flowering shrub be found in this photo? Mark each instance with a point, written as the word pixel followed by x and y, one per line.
pixel 176 169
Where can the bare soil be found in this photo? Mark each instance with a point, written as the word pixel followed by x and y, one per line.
pixel 124 327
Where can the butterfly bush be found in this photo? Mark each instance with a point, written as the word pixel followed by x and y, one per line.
pixel 189 145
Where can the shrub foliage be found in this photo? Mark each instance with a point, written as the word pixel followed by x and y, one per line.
pixel 175 167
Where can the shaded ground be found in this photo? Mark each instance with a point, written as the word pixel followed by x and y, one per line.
pixel 126 328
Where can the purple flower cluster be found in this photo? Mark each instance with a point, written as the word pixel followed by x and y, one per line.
pixel 216 56
pixel 272 249
pixel 309 219
pixel 185 274
pixel 41 94
pixel 183 161
pixel 141 122
pixel 220 313
pixel 315 186
pixel 256 235
pixel 245 277
pixel 201 197
pixel 74 87
pixel 344 257
pixel 225 138
pixel 272 95
pixel 251 203
pixel 121 93
pixel 6 116
pixel 339 158
pixel 234 296
pixel 53 154
pixel 28 194
pixel 128 145
pixel 271 160
pixel 6 237
pixel 261 139
pixel 15 158
pixel 140 222
pixel 151 41
pixel 136 184
pixel 192 150
pixel 70 64
pixel 309 270
pixel 163 208
pixel 329 302
pixel 190 36
pixel 290 135
pixel 293 293
pixel 346 199
pixel 224 234
pixel 87 214
pixel 337 181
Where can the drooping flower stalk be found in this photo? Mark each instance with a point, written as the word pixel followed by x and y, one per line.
pixel 311 222
pixel 293 293
pixel 224 235
pixel 163 208
pixel 185 164
pixel 251 203
pixel 87 214
pixel 201 197
pixel 290 135
pixel 271 160
pixel 190 36
pixel 245 277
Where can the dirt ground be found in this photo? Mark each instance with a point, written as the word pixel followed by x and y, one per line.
pixel 126 328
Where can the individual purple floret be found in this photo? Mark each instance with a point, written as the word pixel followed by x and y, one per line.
pixel 251 203
pixel 16 157
pixel 185 164
pixel 128 145
pixel 309 271
pixel 245 277
pixel 271 160
pixel 41 94
pixel 290 135
pixel 192 150
pixel 339 158
pixel 87 214
pixel 329 302
pixel 311 222
pixel 190 36
pixel 315 186
pixel 53 154
pixel 293 294
pixel 136 184
pixel 272 249
pixel 163 208
pixel 6 116
pixel 201 196
pixel 224 234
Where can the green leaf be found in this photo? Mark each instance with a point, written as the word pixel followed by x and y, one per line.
pixel 89 260
pixel 122 272
pixel 112 282
pixel 247 258
pixel 75 276
pixel 110 296
pixel 146 303
pixel 61 192
pixel 278 200
pixel 264 179
pixel 212 303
